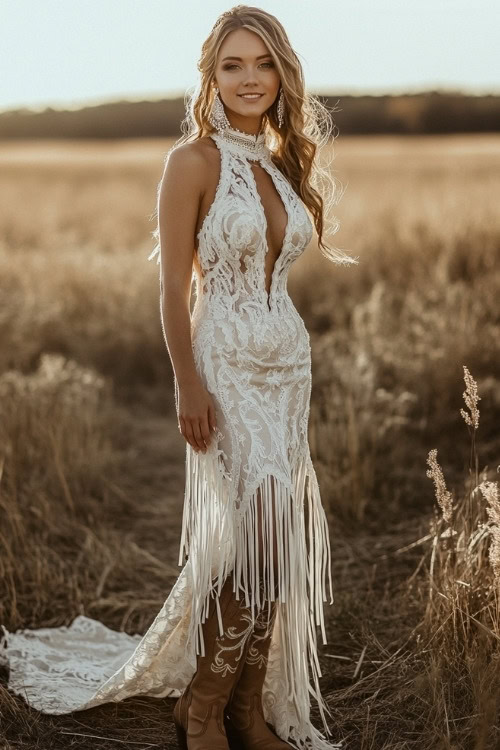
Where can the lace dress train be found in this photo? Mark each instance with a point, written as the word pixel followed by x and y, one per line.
pixel 252 351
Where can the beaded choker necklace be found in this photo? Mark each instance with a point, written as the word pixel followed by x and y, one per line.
pixel 250 145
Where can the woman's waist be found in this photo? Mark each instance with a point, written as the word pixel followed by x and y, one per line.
pixel 251 325
pixel 257 302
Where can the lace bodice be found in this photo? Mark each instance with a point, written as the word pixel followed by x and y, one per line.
pixel 233 237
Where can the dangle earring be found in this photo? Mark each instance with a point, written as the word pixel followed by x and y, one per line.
pixel 217 115
pixel 281 108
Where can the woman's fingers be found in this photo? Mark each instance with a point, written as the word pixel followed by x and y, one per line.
pixel 197 435
pixel 205 431
pixel 188 434
pixel 187 431
pixel 197 428
pixel 192 432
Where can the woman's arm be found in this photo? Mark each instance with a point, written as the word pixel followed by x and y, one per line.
pixel 178 204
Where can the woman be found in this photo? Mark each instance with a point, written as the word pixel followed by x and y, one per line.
pixel 236 638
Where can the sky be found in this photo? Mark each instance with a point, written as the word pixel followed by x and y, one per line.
pixel 71 53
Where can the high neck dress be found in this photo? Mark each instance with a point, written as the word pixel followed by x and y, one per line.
pixel 252 352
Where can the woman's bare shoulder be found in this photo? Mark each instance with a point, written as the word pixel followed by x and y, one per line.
pixel 194 165
pixel 185 169
pixel 194 154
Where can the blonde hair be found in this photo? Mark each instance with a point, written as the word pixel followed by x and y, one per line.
pixel 307 122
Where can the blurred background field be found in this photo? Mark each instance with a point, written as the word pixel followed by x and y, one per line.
pixel 92 464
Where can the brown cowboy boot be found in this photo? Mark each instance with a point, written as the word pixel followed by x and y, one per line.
pixel 247 728
pixel 199 712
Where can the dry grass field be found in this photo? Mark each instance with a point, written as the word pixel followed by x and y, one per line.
pixel 92 464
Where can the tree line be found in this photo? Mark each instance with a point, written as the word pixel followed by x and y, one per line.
pixel 420 113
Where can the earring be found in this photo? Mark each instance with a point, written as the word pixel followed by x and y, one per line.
pixel 217 115
pixel 281 108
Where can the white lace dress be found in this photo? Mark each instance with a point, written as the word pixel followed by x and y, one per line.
pixel 252 352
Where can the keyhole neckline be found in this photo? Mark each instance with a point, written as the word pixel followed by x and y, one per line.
pixel 269 295
pixel 262 154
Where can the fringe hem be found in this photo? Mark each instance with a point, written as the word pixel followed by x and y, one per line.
pixel 219 539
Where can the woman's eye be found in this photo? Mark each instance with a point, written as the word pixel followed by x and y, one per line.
pixel 233 65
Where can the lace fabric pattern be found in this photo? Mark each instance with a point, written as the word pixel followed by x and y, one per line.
pixel 252 351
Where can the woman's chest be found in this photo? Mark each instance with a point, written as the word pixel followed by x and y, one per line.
pixel 254 209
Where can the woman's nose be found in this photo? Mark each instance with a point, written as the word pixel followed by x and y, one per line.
pixel 250 76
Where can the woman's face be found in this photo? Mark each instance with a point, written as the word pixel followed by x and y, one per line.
pixel 244 66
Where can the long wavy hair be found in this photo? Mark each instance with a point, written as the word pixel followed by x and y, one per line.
pixel 307 124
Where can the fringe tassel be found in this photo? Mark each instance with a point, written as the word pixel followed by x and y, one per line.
pixel 217 544
pixel 206 536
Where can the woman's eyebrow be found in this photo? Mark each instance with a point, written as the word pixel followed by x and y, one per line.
pixel 232 57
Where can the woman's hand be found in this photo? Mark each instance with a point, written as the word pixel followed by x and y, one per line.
pixel 196 415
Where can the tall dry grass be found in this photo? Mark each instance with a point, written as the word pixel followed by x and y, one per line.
pixel 68 502
pixel 432 680
pixel 461 620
